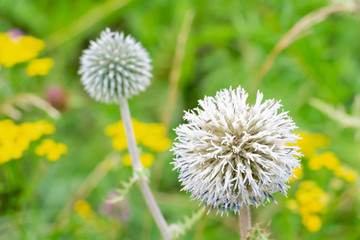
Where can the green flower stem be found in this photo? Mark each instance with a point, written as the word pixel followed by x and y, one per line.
pixel 137 166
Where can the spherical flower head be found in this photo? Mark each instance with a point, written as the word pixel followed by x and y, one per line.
pixel 230 154
pixel 114 66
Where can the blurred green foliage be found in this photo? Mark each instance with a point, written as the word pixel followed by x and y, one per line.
pixel 228 42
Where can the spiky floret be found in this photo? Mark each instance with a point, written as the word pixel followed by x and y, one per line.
pixel 114 66
pixel 230 154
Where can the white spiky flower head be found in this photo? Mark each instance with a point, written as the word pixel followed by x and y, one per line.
pixel 114 66
pixel 230 154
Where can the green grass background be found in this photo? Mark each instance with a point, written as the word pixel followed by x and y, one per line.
pixel 227 43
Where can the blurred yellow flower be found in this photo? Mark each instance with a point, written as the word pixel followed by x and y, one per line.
pixel 147 159
pixel 347 174
pixel 50 149
pixel 15 139
pixel 119 143
pixel 310 142
pixel 83 208
pixel 155 138
pixel 312 222
pixel 151 135
pixel 15 50
pixel 39 66
pixel 316 206
pixel 331 162
pixel 33 131
pixel 310 200
pixel 327 159
pixel 298 173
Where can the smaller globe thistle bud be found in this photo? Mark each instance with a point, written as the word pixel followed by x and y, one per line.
pixel 230 154
pixel 57 97
pixel 114 66
pixel 15 32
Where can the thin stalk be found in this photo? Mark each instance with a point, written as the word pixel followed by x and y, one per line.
pixel 176 66
pixel 171 101
pixel 86 187
pixel 83 23
pixel 137 166
pixel 299 30
pixel 244 222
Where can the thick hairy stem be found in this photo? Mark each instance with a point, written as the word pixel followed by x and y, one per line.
pixel 137 166
pixel 244 222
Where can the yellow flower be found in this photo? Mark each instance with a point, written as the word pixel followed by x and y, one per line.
pixel 8 131
pixel 330 161
pixel 127 160
pixel 316 206
pixel 146 159
pixel 34 131
pixel 311 198
pixel 312 222
pixel 156 139
pixel 83 208
pixel 45 127
pixel 22 142
pixel 157 143
pixel 303 197
pixel 140 130
pixel 9 149
pixel 310 142
pixel 39 66
pixel 304 210
pixel 119 143
pixel 307 185
pixel 115 130
pixel 117 133
pixel 298 173
pixel 347 174
pixel 50 149
pixel 4 156
pixel 15 139
pixel 18 49
pixel 327 159
pixel 152 135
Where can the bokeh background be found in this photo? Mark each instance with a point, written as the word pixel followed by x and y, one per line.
pixel 306 53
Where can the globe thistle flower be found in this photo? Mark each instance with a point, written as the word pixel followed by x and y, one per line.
pixel 114 66
pixel 230 154
pixel 113 69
